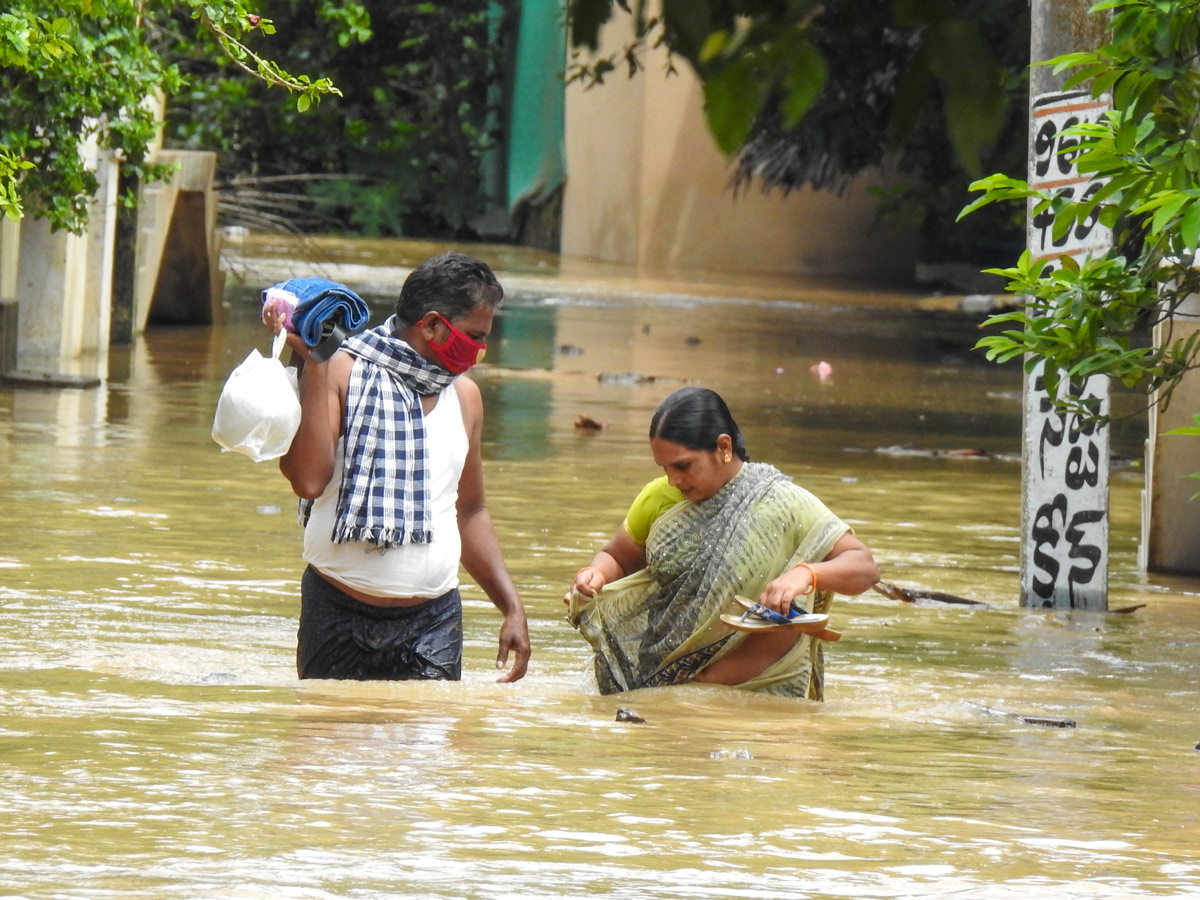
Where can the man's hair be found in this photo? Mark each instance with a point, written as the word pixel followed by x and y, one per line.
pixel 452 283
pixel 695 417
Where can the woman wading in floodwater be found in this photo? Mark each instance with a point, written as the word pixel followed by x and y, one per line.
pixel 656 602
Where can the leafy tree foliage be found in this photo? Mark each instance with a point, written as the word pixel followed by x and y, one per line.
pixel 809 92
pixel 404 151
pixel 85 71
pixel 1091 317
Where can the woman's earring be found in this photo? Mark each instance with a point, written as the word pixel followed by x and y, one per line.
pixel 728 458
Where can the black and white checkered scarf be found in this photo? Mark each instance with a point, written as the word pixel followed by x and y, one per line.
pixel 384 495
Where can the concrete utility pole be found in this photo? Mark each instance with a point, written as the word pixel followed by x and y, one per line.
pixel 1058 27
pixel 1064 502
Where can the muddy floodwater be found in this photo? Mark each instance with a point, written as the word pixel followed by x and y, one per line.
pixel 156 744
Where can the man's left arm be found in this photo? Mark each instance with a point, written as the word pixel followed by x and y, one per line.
pixel 481 555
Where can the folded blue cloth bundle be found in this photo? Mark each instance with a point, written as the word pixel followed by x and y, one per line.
pixel 323 308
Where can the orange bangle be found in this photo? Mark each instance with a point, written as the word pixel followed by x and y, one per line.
pixel 811 574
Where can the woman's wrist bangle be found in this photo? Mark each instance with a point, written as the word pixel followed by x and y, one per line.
pixel 811 574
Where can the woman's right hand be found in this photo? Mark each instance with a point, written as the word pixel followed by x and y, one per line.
pixel 616 559
pixel 588 581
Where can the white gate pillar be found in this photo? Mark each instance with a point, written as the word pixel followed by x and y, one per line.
pixel 64 282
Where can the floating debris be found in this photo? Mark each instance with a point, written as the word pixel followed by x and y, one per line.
pixel 1050 721
pixel 569 350
pixel 823 370
pixel 691 341
pixel 586 423
pixel 740 753
pixel 1047 721
pixel 913 595
pixel 986 303
pixel 909 450
pixel 624 378
pixel 219 678
pixel 628 715
pixel 1125 610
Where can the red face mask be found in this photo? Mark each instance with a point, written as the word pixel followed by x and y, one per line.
pixel 458 352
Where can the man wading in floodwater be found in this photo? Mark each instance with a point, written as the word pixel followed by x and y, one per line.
pixel 388 468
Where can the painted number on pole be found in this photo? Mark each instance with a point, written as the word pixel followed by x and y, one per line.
pixel 1064 512
pixel 1052 160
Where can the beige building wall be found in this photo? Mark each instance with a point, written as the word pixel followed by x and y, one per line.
pixel 647 187
pixel 1170 515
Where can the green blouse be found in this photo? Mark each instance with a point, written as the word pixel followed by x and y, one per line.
pixel 652 501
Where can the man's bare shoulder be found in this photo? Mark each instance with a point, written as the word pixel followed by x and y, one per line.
pixel 342 361
pixel 340 365
pixel 470 401
pixel 468 392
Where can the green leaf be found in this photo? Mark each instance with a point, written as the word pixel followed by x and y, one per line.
pixel 731 101
pixel 713 45
pixel 974 96
pixel 1170 204
pixel 803 83
pixel 911 91
pixel 1189 226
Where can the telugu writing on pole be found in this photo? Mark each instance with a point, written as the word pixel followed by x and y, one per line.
pixel 1064 512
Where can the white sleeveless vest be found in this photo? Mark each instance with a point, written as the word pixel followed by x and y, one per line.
pixel 410 570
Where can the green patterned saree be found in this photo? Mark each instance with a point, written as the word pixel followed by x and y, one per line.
pixel 661 625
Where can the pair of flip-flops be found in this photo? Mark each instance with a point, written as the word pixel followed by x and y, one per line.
pixel 761 618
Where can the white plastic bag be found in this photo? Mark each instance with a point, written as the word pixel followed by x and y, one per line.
pixel 258 411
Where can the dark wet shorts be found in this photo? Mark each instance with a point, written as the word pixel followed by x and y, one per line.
pixel 341 637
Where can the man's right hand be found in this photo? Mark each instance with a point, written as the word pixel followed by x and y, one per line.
pixel 275 318
pixel 514 638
